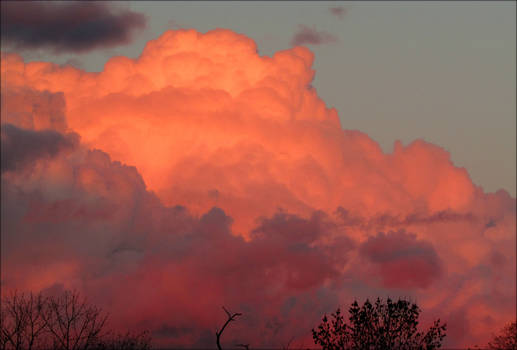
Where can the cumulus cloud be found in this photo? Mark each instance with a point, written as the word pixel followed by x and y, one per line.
pixel 72 27
pixel 100 231
pixel 403 261
pixel 22 147
pixel 33 110
pixel 208 175
pixel 310 36
pixel 339 12
pixel 33 127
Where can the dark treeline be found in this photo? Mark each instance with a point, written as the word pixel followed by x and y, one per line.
pixel 67 321
pixel 62 322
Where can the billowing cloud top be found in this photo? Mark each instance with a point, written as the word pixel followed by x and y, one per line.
pixel 67 27
pixel 208 175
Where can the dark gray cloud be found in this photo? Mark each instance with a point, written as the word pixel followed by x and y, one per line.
pixel 339 12
pixel 75 26
pixel 21 147
pixel 310 36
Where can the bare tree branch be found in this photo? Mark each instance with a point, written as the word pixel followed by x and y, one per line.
pixel 231 317
pixel 73 323
pixel 64 322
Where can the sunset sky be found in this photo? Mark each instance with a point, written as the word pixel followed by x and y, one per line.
pixel 279 158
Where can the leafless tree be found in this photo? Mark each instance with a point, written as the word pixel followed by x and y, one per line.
pixel 63 322
pixel 72 323
pixel 231 317
pixel 22 322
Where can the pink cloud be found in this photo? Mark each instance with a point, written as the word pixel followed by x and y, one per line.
pixel 403 261
pixel 208 175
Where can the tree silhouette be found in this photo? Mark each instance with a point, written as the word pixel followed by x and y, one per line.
pixel 390 325
pixel 506 340
pixel 22 324
pixel 125 341
pixel 73 324
pixel 62 322
pixel 231 317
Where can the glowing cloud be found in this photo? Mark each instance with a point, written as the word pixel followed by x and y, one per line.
pixel 208 175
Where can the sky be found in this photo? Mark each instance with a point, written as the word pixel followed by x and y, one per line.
pixel 453 64
pixel 282 159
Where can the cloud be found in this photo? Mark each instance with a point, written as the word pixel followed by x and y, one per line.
pixel 381 221
pixel 403 261
pixel 310 36
pixel 75 27
pixel 33 110
pixel 208 175
pixel 339 12
pixel 23 147
pixel 100 231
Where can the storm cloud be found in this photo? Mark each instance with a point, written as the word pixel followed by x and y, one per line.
pixel 67 27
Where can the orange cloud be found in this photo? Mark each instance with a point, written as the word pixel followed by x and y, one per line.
pixel 208 175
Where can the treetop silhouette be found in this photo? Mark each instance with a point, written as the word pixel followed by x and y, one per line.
pixel 390 325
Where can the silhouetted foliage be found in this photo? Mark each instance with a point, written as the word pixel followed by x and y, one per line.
pixel 127 341
pixel 62 322
pixel 390 325
pixel 507 338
